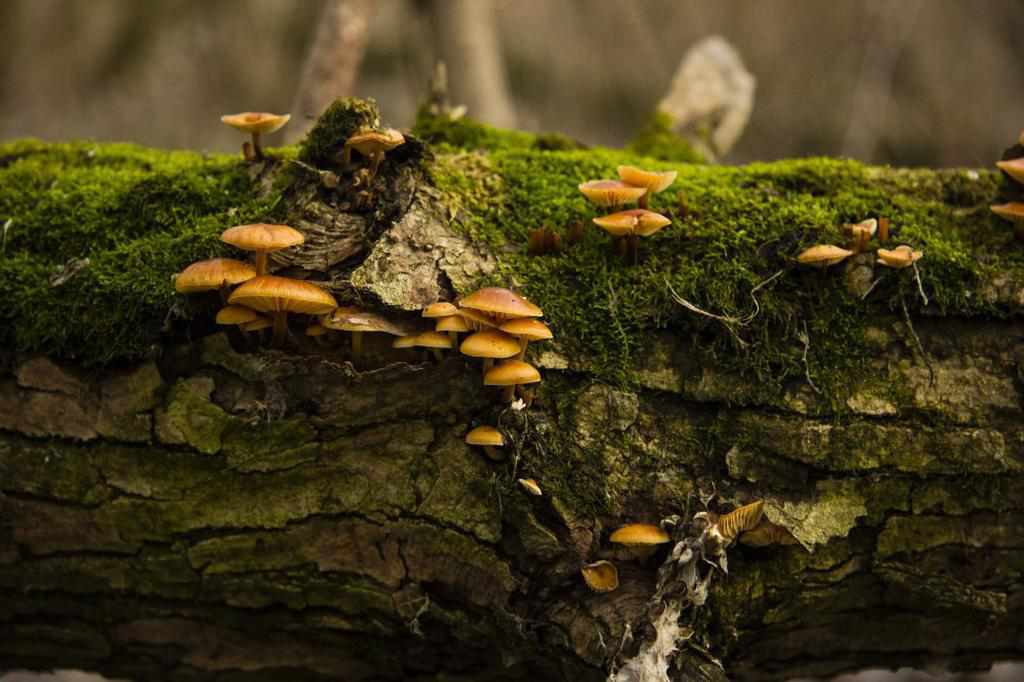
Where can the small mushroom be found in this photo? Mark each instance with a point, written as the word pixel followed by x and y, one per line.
pixel 256 123
pixel 440 309
pixel 611 193
pixel 435 341
pixel 739 520
pixel 1014 168
pixel 530 486
pixel 861 233
pixel 500 303
pixel 453 325
pixel 213 274
pixel 631 225
pixel 1014 212
pixel 359 322
pixel 526 329
pixel 280 296
pixel 262 238
pixel 372 144
pixel 900 257
pixel 640 534
pixel 509 374
pixel 489 438
pixel 257 325
pixel 491 345
pixel 823 255
pixel 601 576
pixel 652 181
pixel 235 315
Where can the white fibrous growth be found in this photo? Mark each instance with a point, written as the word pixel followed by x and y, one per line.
pixel 651 664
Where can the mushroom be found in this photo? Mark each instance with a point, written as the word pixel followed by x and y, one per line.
pixel 823 255
pixel 491 345
pixel 1014 168
pixel 510 374
pixel 639 534
pixel 767 533
pixel 257 325
pixel 900 257
pixel 611 193
pixel 652 181
pixel 530 486
pixel 526 329
pixel 215 273
pixel 435 341
pixel 453 325
pixel 601 576
pixel 358 322
pixel 739 520
pixel 1014 212
pixel 478 320
pixel 861 233
pixel 440 309
pixel 372 144
pixel 256 123
pixel 500 303
pixel 262 238
pixel 280 296
pixel 489 438
pixel 631 225
pixel 316 331
pixel 236 315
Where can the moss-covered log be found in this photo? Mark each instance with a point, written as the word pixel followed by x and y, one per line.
pixel 179 505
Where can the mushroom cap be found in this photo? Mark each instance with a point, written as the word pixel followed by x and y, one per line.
pixel 740 519
pixel 511 373
pixel 653 181
pixel 901 257
pixel 637 221
pixel 433 340
pixel 371 141
pixel 440 309
pixel 601 576
pixel 823 255
pixel 485 435
pixel 1013 167
pixel 214 273
pixel 352 319
pixel 530 486
pixel 489 343
pixel 257 324
pixel 500 301
pixel 452 323
pixel 478 319
pixel 270 293
pixel 1013 211
pixel 236 314
pixel 405 342
pixel 639 534
pixel 262 237
pixel 256 121
pixel 611 192
pixel 528 328
pixel 316 329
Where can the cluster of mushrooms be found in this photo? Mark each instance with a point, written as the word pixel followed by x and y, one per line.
pixel 745 524
pixel 860 234
pixel 1014 210
pixel 627 226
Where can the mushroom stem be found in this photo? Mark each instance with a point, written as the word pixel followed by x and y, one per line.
pixel 357 344
pixel 642 203
pixel 280 328
pixel 438 355
pixel 261 263
pixel 375 162
pixel 257 150
pixel 488 364
pixel 523 342
pixel 454 336
pixel 492 453
pixel 223 295
pixel 508 393
pixel 346 156
pixel 633 248
pixel 247 151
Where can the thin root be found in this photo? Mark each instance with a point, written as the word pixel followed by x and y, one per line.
pixel 806 340
pixel 917 341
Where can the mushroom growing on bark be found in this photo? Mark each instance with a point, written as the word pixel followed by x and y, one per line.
pixel 256 123
pixel 491 345
pixel 510 374
pixel 901 257
pixel 372 144
pixel 488 438
pixel 601 576
pixel 631 225
pixel 526 329
pixel 453 325
pixel 500 304
pixel 639 534
pixel 652 181
pixel 213 274
pixel 359 322
pixel 823 255
pixel 280 296
pixel 262 238
pixel 861 233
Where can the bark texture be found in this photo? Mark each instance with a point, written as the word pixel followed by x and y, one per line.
pixel 220 513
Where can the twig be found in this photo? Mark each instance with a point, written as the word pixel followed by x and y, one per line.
pixel 920 288
pixel 920 347
pixel 806 340
pixel 872 287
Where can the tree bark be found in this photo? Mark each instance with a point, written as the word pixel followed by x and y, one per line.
pixel 220 514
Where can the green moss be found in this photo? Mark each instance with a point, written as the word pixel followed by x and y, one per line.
pixel 465 133
pixel 343 117
pixel 657 140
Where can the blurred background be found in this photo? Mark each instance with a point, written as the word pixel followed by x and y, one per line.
pixel 910 82
pixel 907 82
